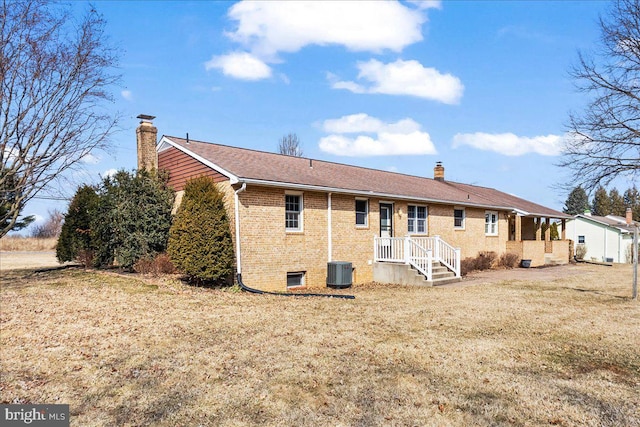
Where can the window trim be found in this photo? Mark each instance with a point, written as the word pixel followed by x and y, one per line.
pixel 302 274
pixel 488 232
pixel 464 218
pixel 426 220
pixel 366 213
pixel 300 227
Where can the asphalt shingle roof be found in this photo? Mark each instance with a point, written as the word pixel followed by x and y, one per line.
pixel 247 164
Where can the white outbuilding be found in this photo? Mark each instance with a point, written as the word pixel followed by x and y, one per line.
pixel 606 238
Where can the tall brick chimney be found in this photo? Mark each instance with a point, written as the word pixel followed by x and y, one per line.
pixel 629 216
pixel 147 137
pixel 438 172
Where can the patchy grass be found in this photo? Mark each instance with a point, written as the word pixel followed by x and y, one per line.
pixel 124 350
pixel 20 243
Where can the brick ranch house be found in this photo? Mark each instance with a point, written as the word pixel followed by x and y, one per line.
pixel 290 216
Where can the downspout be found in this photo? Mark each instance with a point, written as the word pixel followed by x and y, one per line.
pixel 237 220
pixel 329 240
pixel 605 244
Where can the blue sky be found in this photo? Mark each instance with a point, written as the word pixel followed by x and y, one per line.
pixel 482 86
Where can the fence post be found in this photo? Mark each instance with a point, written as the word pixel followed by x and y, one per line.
pixel 457 262
pixel 375 248
pixel 407 250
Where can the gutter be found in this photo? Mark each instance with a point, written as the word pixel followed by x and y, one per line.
pixel 363 193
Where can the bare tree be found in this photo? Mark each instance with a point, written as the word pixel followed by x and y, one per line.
pixel 290 145
pixel 606 135
pixel 55 74
pixel 51 226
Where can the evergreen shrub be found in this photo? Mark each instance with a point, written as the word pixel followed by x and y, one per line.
pixel 76 241
pixel 200 243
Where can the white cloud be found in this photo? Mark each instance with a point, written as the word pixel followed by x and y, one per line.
pixel 90 159
pixel 363 123
pixel 241 65
pixel 109 173
pixel 510 144
pixel 127 94
pixel 403 78
pixel 270 27
pixel 403 137
pixel 427 4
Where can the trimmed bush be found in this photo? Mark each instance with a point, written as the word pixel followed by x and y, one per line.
pixel 156 266
pixel 486 260
pixel 509 260
pixel 467 265
pixel 581 251
pixel 200 244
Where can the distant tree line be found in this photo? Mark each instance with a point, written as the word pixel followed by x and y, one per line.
pixel 603 202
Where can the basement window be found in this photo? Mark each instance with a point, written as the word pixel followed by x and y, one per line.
pixel 295 279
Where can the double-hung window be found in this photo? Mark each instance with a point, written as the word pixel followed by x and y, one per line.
pixel 458 218
pixel 293 212
pixel 417 219
pixel 362 212
pixel 491 223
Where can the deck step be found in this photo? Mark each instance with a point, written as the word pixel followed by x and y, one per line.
pixel 441 275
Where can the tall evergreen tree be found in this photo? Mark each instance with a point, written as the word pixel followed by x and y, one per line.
pixel 632 200
pixel 601 204
pixel 76 240
pixel 616 202
pixel 577 202
pixel 133 218
pixel 200 243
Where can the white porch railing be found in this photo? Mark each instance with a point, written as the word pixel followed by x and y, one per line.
pixel 419 252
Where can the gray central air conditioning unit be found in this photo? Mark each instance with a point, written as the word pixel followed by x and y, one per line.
pixel 339 274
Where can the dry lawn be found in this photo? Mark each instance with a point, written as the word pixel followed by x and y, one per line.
pixel 123 351
pixel 20 243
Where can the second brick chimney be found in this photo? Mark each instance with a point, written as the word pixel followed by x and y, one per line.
pixel 147 136
pixel 438 172
pixel 629 216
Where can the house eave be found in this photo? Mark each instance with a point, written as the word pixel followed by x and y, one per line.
pixel 362 193
pixel 622 230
